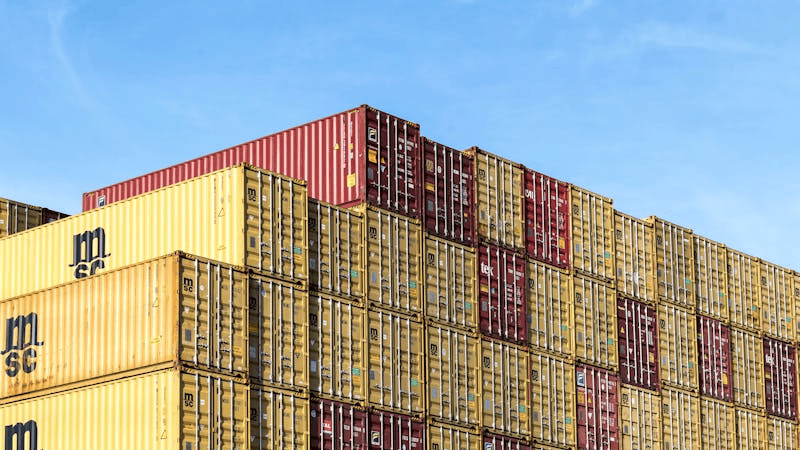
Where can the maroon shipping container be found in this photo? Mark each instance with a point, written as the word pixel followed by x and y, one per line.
pixel 497 442
pixel 501 292
pixel 638 343
pixel 547 212
pixel 716 365
pixel 355 156
pixel 449 193
pixel 395 432
pixel 337 426
pixel 48 215
pixel 780 384
pixel 598 406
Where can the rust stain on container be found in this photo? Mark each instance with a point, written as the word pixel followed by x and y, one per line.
pixel 751 429
pixel 680 416
pixel 638 343
pixel 547 228
pixel 716 366
pixel 780 378
pixel 597 408
pixel 777 301
pixel 450 285
pixel 502 294
pixel 717 425
pixel 552 400
pixel 640 418
pixel 677 346
pixel 674 262
pixel 592 233
pixel 747 355
pixel 453 369
pixel 505 393
pixel 635 257
pixel 744 291
pixel 595 306
pixel 448 193
pixel 337 426
pixel 711 263
pixel 336 261
pixel 550 309
pixel 278 419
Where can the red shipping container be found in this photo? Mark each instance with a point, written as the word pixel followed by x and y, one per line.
pixel 497 442
pixel 501 292
pixel 448 193
pixel 547 212
pixel 337 426
pixel 716 365
pixel 391 431
pixel 360 155
pixel 638 343
pixel 780 384
pixel 598 408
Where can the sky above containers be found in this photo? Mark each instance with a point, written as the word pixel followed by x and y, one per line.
pixel 685 110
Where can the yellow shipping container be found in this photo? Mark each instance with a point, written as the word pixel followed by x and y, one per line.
pixel 177 309
pixel 635 257
pixel 396 360
pixel 680 417
pixel 751 429
pixel 453 368
pixel 677 347
pixel 279 420
pixel 163 410
pixel 674 262
pixel 336 260
pixel 16 217
pixel 278 333
pixel 711 287
pixel 717 424
pixel 337 348
pixel 592 233
pixel 550 313
pixel 640 418
pixel 500 201
pixel 505 394
pixel 450 292
pixel 744 293
pixel 747 362
pixel 552 400
pixel 781 434
pixel 796 300
pixel 450 437
pixel 777 301
pixel 595 322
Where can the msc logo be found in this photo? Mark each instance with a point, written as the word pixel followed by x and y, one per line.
pixel 19 431
pixel 88 251
pixel 22 336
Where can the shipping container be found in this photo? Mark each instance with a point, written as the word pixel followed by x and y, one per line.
pixel 16 216
pixel 550 314
pixel 680 416
pixel 500 205
pixel 744 294
pixel 751 429
pixel 450 290
pixel 453 368
pixel 674 262
pixel 717 424
pixel 677 346
pixel 502 294
pixel 505 393
pixel 396 362
pixel 552 400
pixel 777 301
pixel 635 257
pixel 595 306
pixel 547 229
pixel 337 426
pixel 597 408
pixel 592 233
pixel 796 300
pixel 388 431
pixel 449 193
pixel 162 410
pixel 747 354
pixel 711 287
pixel 780 378
pixel 278 334
pixel 178 309
pixel 337 348
pixel 499 442
pixel 279 419
pixel 356 156
pixel 638 343
pixel 782 434
pixel 714 354
pixel 238 216
pixel 336 260
pixel 451 437
pixel 640 418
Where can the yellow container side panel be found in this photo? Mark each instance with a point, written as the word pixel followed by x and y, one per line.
pixel 450 437
pixel 450 283
pixel 674 263
pixel 747 362
pixel 635 257
pixel 640 418
pixel 550 309
pixel 16 217
pixel 592 233
pixel 453 368
pixel 680 417
pixel 552 400
pixel 711 287
pixel 781 434
pixel 595 306
pixel 796 300
pixel 505 394
pixel 777 301
pixel 717 425
pixel 751 429
pixel 279 419
pixel 677 347
pixel 744 293
pixel 336 261
pixel 499 189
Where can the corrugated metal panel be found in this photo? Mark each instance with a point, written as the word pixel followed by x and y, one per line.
pixel 635 257
pixel 547 230
pixel 595 322
pixel 502 294
pixel 16 217
pixel 450 290
pixel 638 343
pixel 711 288
pixel 337 348
pixel 278 419
pixel 498 442
pixel 552 400
pixel 747 354
pixel 796 300
pixel 717 425
pixel 450 437
pixel 744 294
pixel 505 391
pixel 500 204
pixel 336 261
pixel 396 361
pixel 239 216
pixel 777 301
pixel 278 333
pixel 453 368
pixel 337 426
pixel 163 410
pixel 389 431
pixel 781 434
pixel 674 262
pixel 640 418
pixel 592 233
pixel 597 408
pixel 177 308
pixel 449 193
pixel 751 429
pixel 680 416
pixel 677 346
pixel 780 378
pixel 550 315
pixel 714 351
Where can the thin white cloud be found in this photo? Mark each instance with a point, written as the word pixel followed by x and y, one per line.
pixel 663 35
pixel 56 16
pixel 581 6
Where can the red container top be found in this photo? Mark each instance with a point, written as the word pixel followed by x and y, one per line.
pixel 716 366
pixel 498 442
pixel 355 156
pixel 501 294
pixel 780 384
pixel 547 230
pixel 337 426
pixel 597 392
pixel 391 431
pixel 638 343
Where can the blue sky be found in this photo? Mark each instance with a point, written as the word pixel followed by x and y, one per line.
pixel 685 110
